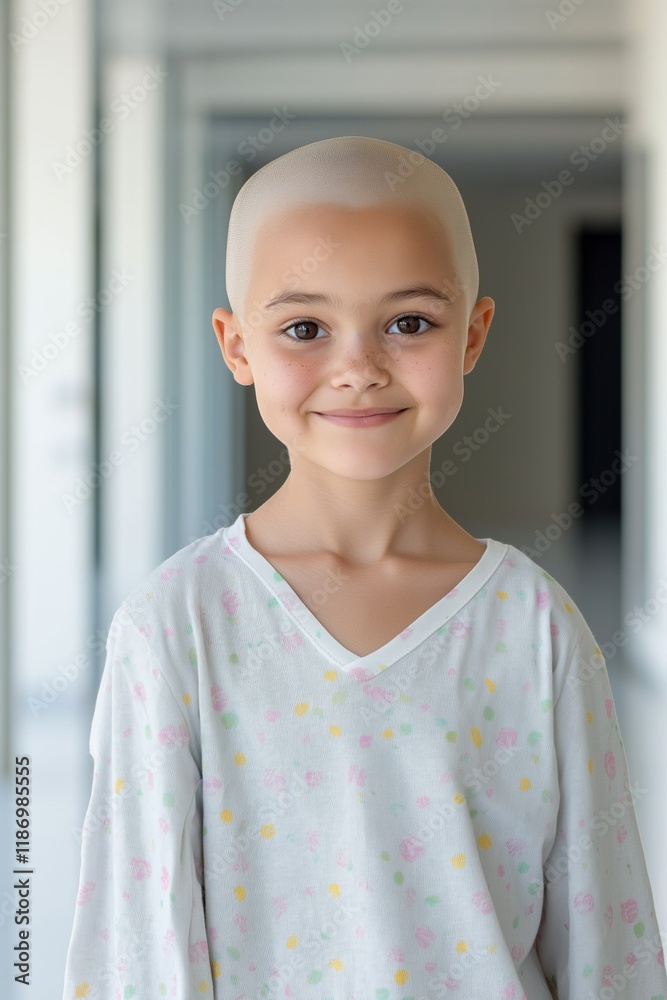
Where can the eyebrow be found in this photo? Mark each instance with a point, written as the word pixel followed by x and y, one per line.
pixel 318 299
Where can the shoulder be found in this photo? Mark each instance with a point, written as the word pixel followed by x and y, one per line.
pixel 181 576
pixel 552 606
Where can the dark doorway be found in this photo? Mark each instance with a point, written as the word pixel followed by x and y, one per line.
pixel 599 368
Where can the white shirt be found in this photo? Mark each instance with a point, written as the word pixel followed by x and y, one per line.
pixel 273 815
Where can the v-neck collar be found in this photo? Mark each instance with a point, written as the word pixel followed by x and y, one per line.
pixel 365 667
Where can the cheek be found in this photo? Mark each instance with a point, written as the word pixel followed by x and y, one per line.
pixel 285 381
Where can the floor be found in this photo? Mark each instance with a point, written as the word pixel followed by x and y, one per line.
pixel 57 741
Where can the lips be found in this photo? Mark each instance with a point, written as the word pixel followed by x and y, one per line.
pixel 361 418
pixel 359 413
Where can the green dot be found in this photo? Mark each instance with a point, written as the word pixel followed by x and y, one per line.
pixel 168 799
pixel 488 712
pixel 469 684
pixel 451 736
pixel 534 737
pixel 398 878
pixel 229 720
pixel 546 705
pixel 639 929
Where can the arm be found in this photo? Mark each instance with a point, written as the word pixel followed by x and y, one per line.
pixel 598 934
pixel 139 923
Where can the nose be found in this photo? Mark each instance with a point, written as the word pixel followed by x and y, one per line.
pixel 363 363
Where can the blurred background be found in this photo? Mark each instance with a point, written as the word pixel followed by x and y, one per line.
pixel 126 129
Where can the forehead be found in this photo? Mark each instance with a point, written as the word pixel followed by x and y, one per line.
pixel 347 236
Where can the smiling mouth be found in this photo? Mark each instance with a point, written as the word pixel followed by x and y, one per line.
pixel 361 418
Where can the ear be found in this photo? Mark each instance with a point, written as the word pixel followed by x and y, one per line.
pixel 228 332
pixel 478 327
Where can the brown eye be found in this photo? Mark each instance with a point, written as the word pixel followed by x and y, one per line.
pixel 307 326
pixel 409 325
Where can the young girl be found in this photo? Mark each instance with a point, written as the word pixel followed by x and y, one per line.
pixel 344 750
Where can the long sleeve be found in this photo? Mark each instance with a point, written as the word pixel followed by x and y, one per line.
pixel 139 923
pixel 598 934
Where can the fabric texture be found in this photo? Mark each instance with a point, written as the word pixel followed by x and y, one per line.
pixel 274 816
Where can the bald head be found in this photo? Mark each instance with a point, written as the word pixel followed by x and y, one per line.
pixel 355 172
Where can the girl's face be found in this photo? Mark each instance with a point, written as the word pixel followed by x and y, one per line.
pixel 337 316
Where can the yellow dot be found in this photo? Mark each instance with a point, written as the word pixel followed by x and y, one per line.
pixel 336 964
pixel 598 651
pixel 301 708
pixel 82 990
pixel 569 608
pixel 215 969
pixel 525 784
pixel 476 736
pixel 492 948
pixel 240 759
pixel 401 977
pixel 589 717
pixel 226 816
pixel 458 798
pixel 335 730
pixel 118 785
pixel 461 947
pixel 334 889
pixel 458 861
pixel 490 685
pixel 502 594
pixel 268 831
pixel 239 892
pixel 330 675
pixel 203 986
pixel 186 699
pixel 291 941
pixel 590 767
pixel 388 733
pixel 484 841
